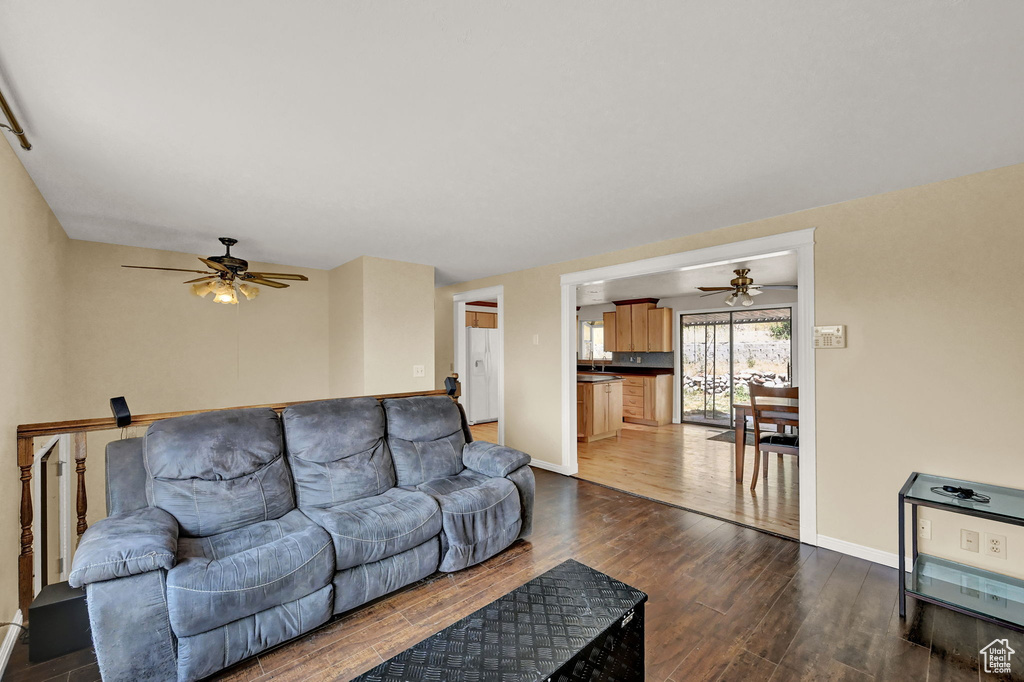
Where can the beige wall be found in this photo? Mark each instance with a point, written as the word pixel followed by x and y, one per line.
pixel 34 253
pixel 399 325
pixel 931 372
pixel 345 315
pixel 382 324
pixel 141 334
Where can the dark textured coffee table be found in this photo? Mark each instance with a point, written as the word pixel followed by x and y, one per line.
pixel 571 623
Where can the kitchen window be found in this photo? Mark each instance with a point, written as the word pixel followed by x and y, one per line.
pixel 592 341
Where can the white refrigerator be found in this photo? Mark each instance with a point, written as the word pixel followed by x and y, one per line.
pixel 482 384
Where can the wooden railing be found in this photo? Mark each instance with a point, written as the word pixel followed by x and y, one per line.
pixel 27 433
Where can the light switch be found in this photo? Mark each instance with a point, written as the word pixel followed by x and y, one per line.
pixel 832 336
pixel 536 339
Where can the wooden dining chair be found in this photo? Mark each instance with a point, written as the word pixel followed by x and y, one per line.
pixel 781 415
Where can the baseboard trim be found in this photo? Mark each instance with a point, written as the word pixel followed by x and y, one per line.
pixel 871 554
pixel 10 639
pixel 557 468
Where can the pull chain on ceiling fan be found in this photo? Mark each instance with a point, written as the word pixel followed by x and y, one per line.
pixel 226 273
pixel 742 289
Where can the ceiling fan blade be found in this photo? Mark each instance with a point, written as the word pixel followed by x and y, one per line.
pixel 215 265
pixel 715 288
pixel 277 275
pixel 147 267
pixel 201 279
pixel 265 282
pixel 776 286
pixel 713 293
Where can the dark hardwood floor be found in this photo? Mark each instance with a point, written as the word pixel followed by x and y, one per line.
pixel 726 603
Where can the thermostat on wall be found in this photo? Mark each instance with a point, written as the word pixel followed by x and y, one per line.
pixel 830 336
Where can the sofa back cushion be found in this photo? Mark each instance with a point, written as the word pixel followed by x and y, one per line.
pixel 426 438
pixel 337 451
pixel 217 471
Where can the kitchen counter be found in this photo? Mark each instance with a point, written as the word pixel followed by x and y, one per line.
pixel 596 378
pixel 630 369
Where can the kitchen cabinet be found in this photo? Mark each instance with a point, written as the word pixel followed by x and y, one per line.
pixel 598 410
pixel 647 399
pixel 659 330
pixel 638 327
pixel 481 320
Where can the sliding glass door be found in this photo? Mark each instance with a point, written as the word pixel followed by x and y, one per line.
pixel 723 353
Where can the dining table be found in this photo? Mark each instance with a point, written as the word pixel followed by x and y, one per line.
pixel 742 412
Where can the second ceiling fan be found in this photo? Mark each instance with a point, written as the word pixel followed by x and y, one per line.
pixel 742 288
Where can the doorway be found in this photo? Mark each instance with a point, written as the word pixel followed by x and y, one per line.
pixel 798 246
pixel 479 343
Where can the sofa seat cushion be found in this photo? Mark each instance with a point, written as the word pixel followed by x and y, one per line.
pixel 357 585
pixel 375 528
pixel 222 578
pixel 480 516
pixel 208 652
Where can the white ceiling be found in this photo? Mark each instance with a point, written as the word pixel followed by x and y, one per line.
pixel 775 270
pixel 485 137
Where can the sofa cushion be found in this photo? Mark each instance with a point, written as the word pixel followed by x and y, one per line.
pixel 222 578
pixel 492 459
pixel 480 516
pixel 374 528
pixel 206 653
pixel 357 585
pixel 426 438
pixel 336 450
pixel 125 544
pixel 217 471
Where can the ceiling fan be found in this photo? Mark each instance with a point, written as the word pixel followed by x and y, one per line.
pixel 227 271
pixel 742 288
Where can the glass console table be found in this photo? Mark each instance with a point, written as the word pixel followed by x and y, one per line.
pixel 976 592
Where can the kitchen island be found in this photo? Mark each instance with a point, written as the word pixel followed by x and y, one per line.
pixel 598 406
pixel 647 392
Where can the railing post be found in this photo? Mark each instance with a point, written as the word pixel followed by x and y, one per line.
pixel 82 503
pixel 25 457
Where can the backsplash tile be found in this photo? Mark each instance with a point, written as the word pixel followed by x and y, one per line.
pixel 660 360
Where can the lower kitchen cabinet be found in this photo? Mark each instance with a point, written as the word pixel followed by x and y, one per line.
pixel 599 410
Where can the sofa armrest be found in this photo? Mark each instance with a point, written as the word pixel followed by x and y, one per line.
pixel 491 459
pixel 125 544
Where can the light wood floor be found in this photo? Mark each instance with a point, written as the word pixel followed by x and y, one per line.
pixel 487 431
pixel 726 603
pixel 677 464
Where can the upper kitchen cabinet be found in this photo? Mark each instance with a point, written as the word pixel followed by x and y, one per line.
pixel 638 327
pixel 659 330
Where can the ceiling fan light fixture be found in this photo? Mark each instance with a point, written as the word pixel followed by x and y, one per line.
pixel 730 300
pixel 249 291
pixel 225 293
pixel 202 289
pixel 745 299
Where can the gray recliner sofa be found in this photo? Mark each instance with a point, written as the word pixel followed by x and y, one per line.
pixel 233 531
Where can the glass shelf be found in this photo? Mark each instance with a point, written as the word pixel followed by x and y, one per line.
pixel 1007 504
pixel 983 593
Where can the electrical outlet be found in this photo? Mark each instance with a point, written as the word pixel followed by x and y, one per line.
pixel 995 545
pixel 924 529
pixel 418 371
pixel 969 540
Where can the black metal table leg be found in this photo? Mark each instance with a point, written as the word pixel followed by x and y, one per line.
pixel 902 562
